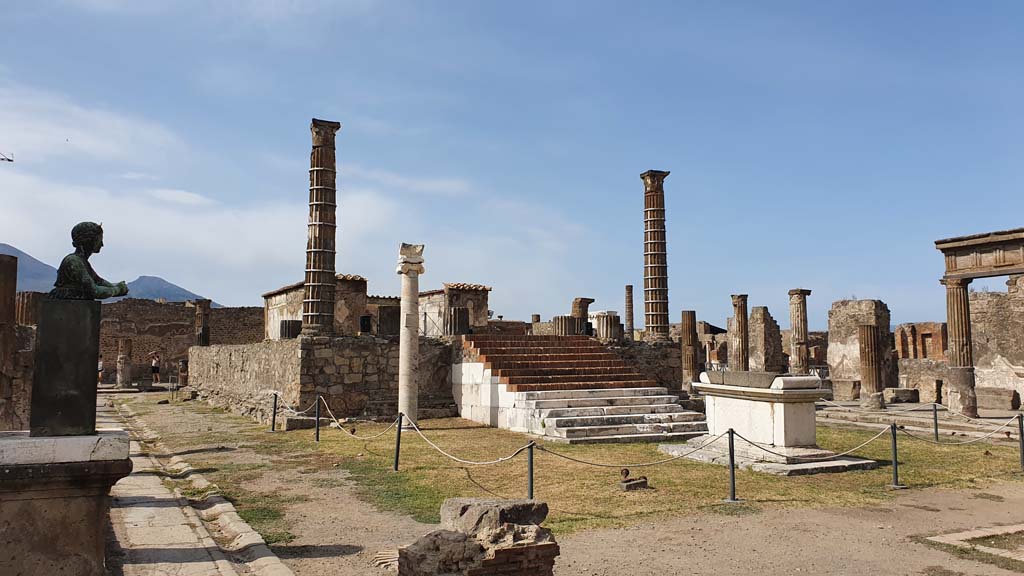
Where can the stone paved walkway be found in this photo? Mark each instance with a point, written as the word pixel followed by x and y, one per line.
pixel 152 533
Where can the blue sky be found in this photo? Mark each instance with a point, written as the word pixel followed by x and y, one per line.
pixel 823 145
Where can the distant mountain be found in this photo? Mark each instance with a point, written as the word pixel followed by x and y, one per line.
pixel 33 275
pixel 36 276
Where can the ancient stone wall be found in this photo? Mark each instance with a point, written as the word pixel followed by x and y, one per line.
pixel 817 346
pixel 926 375
pixel 356 375
pixel 844 344
pixel 765 342
pixel 921 340
pixel 16 381
pixel 659 361
pixel 169 328
pixel 477 300
pixel 997 331
pixel 282 305
pixel 238 377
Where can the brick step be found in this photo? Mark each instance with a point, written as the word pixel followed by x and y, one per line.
pixel 601 402
pixel 542 350
pixel 626 429
pixel 581 370
pixel 584 394
pixel 580 385
pixel 524 338
pixel 555 364
pixel 577 412
pixel 560 378
pixel 556 357
pixel 511 343
pixel 624 438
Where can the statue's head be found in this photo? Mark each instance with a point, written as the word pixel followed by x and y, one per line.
pixel 87 237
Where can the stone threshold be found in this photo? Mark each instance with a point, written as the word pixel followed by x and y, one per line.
pixel 718 453
pixel 961 540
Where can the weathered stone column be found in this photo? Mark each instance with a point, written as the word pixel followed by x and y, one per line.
pixel 410 266
pixel 691 349
pixel 581 308
pixel 124 362
pixel 799 358
pixel 960 353
pixel 203 322
pixel 629 312
pixel 318 293
pixel 870 361
pixel 534 318
pixel 8 289
pixel 739 347
pixel 567 326
pixel 655 257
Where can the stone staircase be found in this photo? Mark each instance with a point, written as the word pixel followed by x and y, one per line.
pixel 566 388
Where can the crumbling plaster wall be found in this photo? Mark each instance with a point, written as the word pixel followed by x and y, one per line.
pixel 844 343
pixel 765 342
pixel 997 331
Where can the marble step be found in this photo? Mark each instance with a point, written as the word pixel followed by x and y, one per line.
pixel 581 370
pixel 694 426
pixel 541 395
pixel 666 408
pixel 622 419
pixel 629 438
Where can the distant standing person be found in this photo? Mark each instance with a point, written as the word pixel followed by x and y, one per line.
pixel 99 368
pixel 154 360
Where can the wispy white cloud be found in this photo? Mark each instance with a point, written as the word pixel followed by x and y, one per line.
pixel 137 176
pixel 40 126
pixel 452 187
pixel 180 197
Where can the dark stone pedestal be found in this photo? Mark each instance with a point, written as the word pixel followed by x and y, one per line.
pixel 64 384
pixel 53 517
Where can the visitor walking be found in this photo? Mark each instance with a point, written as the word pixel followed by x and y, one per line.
pixel 154 361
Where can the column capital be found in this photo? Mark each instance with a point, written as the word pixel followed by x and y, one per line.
pixel 323 131
pixel 739 299
pixel 654 180
pixel 410 259
pixel 799 292
pixel 955 282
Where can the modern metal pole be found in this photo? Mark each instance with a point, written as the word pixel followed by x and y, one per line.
pixel 1020 435
pixel 895 459
pixel 398 440
pixel 732 467
pixel 935 420
pixel 316 414
pixel 273 415
pixel 529 471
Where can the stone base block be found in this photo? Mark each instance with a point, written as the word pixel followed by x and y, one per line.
pixel 845 390
pixel 53 509
pixel 792 462
pixel 997 399
pixel 900 395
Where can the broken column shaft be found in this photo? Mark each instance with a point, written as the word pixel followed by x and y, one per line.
pixel 655 257
pixel 202 322
pixel 318 293
pixel 629 312
pixel 739 347
pixel 870 360
pixel 799 357
pixel 690 348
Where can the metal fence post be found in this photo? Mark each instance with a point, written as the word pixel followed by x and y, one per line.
pixel 1020 435
pixel 398 440
pixel 529 471
pixel 273 415
pixel 316 414
pixel 935 420
pixel 732 468
pixel 895 460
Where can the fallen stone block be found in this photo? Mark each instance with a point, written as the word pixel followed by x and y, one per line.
pixel 845 390
pixel 874 401
pixel 900 395
pixel 997 399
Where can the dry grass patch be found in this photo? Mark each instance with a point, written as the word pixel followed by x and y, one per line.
pixel 579 496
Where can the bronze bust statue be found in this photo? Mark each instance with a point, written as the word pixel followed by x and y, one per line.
pixel 76 280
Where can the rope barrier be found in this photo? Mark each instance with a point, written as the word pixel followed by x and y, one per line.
pixel 814 458
pixel 288 408
pixel 463 461
pixel 979 439
pixel 642 465
pixel 869 411
pixel 342 428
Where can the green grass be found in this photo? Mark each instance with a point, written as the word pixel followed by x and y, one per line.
pixel 1013 541
pixel 579 496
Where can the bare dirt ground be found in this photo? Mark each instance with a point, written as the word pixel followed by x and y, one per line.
pixel 332 531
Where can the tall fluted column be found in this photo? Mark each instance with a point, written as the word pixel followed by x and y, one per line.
pixel 870 361
pixel 691 350
pixel 410 266
pixel 318 294
pixel 202 322
pixel 960 354
pixel 629 312
pixel 799 356
pixel 655 257
pixel 739 347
